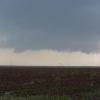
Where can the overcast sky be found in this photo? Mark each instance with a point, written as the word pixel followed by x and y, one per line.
pixel 56 25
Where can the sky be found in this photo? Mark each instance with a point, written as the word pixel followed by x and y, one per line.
pixel 50 32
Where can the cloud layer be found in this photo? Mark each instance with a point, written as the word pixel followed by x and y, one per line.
pixel 52 24
pixel 8 56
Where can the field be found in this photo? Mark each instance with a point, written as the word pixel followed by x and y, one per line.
pixel 36 98
pixel 42 83
pixel 49 98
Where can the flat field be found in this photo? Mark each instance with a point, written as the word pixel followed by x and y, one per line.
pixel 57 83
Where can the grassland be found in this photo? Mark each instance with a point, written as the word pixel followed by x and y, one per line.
pixel 36 98
pixel 41 83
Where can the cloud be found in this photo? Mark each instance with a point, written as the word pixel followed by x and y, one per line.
pixel 47 57
pixel 3 40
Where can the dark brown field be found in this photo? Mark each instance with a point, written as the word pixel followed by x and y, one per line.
pixel 49 81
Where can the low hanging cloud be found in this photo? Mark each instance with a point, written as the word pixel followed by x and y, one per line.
pixel 48 58
pixel 3 40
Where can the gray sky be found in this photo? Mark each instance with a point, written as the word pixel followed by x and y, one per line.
pixel 50 32
pixel 51 24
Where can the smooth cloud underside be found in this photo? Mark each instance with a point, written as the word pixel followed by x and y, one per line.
pixel 48 57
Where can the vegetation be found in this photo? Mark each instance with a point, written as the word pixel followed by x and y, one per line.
pixel 49 83
pixel 36 98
